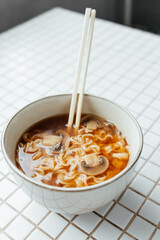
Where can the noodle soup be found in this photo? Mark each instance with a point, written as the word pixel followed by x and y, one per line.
pixel 51 154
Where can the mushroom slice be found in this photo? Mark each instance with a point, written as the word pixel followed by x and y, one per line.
pixel 94 165
pixel 56 143
pixel 65 137
pixel 51 140
pixel 91 122
pixel 110 128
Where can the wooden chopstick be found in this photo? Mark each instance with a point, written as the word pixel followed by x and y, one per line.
pixel 80 100
pixel 88 12
pixel 79 66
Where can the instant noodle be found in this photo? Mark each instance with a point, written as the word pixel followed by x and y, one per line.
pixel 49 153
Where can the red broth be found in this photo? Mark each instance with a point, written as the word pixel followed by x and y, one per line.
pixel 51 154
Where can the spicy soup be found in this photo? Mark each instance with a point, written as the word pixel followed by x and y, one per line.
pixel 54 155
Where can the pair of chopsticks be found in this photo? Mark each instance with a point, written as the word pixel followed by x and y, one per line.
pixel 89 18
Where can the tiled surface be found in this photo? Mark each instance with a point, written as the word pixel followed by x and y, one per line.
pixel 156 236
pixel 151 211
pixel 16 231
pixel 72 232
pixel 142 185
pixel 37 235
pixel 38 59
pixel 7 213
pixel 53 224
pixel 106 230
pixel 140 229
pixel 35 212
pixel 18 200
pixel 87 221
pixel 120 216
pixel 155 195
pixel 132 200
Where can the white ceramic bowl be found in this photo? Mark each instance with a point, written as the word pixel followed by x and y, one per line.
pixel 72 200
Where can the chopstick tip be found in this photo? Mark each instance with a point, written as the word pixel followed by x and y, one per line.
pixel 88 10
pixel 93 12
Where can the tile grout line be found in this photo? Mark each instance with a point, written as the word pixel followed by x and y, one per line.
pixel 20 213
pixel 8 235
pixel 117 201
pixel 37 226
pixel 145 195
pixel 137 212
pixel 104 217
pixel 154 232
pixel 29 44
pixel 70 222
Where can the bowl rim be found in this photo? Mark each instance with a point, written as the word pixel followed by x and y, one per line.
pixel 75 189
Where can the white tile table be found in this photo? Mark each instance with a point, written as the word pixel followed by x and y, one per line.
pixel 37 59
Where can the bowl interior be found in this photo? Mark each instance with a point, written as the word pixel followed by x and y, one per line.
pixel 55 105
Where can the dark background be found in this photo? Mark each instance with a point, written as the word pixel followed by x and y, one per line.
pixel 143 14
